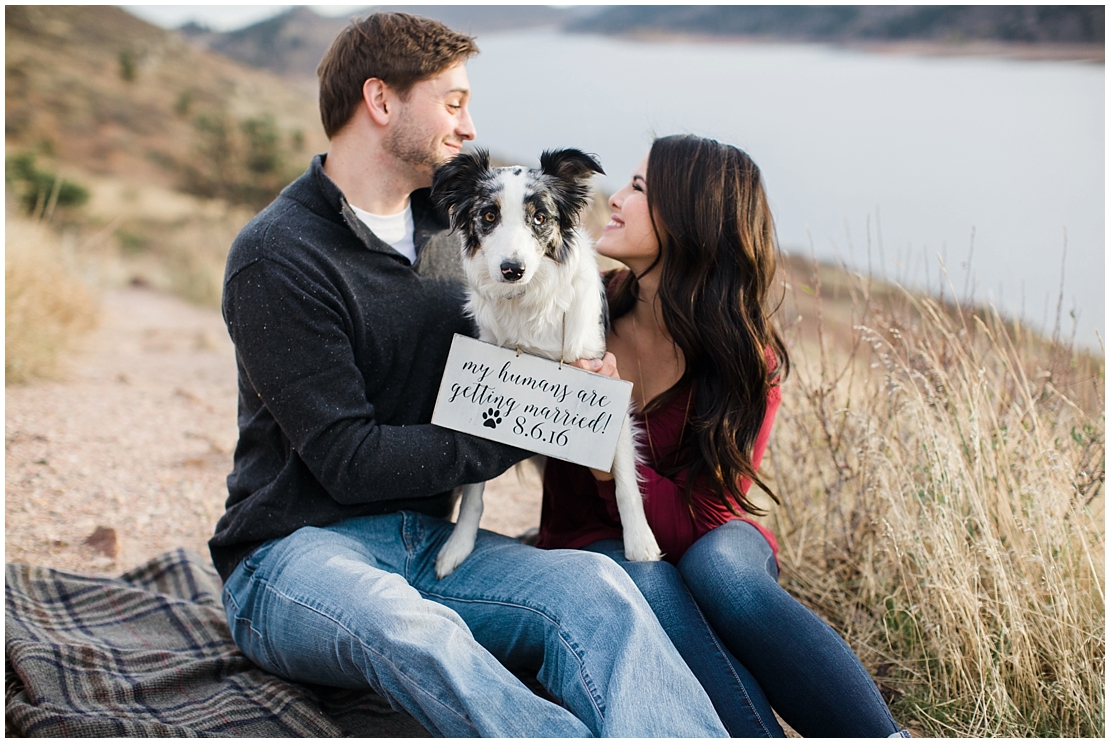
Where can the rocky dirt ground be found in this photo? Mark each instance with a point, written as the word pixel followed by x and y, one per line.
pixel 125 456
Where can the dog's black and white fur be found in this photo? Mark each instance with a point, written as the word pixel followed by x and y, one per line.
pixel 533 284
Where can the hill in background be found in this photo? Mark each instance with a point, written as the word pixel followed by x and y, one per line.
pixel 98 89
pixel 143 153
pixel 1044 24
pixel 293 42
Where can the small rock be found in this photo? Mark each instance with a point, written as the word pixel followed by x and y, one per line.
pixel 104 541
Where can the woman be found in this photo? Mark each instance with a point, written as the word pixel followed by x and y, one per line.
pixel 691 330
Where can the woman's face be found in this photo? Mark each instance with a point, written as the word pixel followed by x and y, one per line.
pixel 629 237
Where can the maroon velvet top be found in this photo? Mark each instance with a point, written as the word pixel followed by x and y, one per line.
pixel 579 510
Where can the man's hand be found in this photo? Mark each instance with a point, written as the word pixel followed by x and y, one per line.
pixel 606 366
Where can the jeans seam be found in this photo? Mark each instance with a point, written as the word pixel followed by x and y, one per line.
pixel 413 685
pixel 584 675
pixel 732 671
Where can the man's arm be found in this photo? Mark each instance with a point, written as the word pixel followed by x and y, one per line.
pixel 291 339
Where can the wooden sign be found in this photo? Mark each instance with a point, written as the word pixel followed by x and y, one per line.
pixel 531 403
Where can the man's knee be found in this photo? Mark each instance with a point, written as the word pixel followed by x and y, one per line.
pixel 598 589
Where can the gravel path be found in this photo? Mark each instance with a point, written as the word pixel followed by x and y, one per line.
pixel 134 444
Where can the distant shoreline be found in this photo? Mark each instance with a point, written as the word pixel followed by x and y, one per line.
pixel 919 47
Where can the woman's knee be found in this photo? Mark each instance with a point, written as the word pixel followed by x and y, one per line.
pixel 733 560
pixel 737 545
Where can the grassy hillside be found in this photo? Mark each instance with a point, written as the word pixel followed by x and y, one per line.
pixel 160 151
pixel 96 89
pixel 943 505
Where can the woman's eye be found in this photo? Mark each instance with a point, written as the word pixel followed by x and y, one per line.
pixel 489 215
pixel 539 218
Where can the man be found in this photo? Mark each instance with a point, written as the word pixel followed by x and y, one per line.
pixel 340 490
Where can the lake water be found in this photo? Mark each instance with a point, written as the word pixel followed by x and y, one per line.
pixel 893 162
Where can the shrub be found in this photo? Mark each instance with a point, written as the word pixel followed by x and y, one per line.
pixel 46 307
pixel 127 66
pixel 246 162
pixel 40 191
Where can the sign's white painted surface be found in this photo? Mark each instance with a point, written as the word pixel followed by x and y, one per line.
pixel 532 403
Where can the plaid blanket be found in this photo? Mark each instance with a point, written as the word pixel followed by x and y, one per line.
pixel 149 654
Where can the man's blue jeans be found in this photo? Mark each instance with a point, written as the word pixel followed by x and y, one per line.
pixel 357 605
pixel 752 645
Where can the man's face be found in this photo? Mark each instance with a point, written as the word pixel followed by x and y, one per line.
pixel 430 126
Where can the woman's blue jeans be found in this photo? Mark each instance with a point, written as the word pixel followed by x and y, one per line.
pixel 752 645
pixel 357 605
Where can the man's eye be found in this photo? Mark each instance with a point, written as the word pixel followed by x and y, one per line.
pixel 539 218
pixel 489 215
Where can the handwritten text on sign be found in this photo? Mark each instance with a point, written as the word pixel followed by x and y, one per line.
pixel 531 403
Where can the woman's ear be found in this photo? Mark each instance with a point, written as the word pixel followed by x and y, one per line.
pixel 376 96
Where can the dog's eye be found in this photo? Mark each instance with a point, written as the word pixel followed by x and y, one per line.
pixel 539 218
pixel 489 215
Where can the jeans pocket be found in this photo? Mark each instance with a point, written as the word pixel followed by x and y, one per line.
pixel 251 562
pixel 242 594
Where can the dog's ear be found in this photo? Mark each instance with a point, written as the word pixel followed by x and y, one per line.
pixel 453 182
pixel 569 165
pixel 571 169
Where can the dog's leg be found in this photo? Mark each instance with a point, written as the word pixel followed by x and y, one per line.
pixel 461 542
pixel 639 541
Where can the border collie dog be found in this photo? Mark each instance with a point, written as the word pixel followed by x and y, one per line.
pixel 533 284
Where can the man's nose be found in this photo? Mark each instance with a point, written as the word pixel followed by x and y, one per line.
pixel 466 128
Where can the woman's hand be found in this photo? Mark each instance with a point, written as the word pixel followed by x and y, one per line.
pixel 606 366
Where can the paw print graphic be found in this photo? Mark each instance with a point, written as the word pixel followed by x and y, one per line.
pixel 491 418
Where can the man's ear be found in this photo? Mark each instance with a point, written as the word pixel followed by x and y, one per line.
pixel 377 97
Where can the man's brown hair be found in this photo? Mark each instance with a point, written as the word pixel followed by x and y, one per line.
pixel 398 49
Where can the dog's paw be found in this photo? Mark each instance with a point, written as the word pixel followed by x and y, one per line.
pixel 642 548
pixel 491 418
pixel 451 555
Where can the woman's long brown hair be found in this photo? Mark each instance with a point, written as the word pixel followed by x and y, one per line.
pixel 717 262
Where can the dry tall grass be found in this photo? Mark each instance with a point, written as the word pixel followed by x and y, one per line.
pixel 47 306
pixel 942 483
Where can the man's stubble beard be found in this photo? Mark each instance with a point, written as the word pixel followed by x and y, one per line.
pixel 409 145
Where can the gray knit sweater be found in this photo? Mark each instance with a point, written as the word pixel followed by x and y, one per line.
pixel 340 345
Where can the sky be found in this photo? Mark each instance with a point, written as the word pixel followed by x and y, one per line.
pixel 224 17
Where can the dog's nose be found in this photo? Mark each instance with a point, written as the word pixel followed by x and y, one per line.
pixel 511 271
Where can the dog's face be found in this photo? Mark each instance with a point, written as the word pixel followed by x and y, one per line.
pixel 513 219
